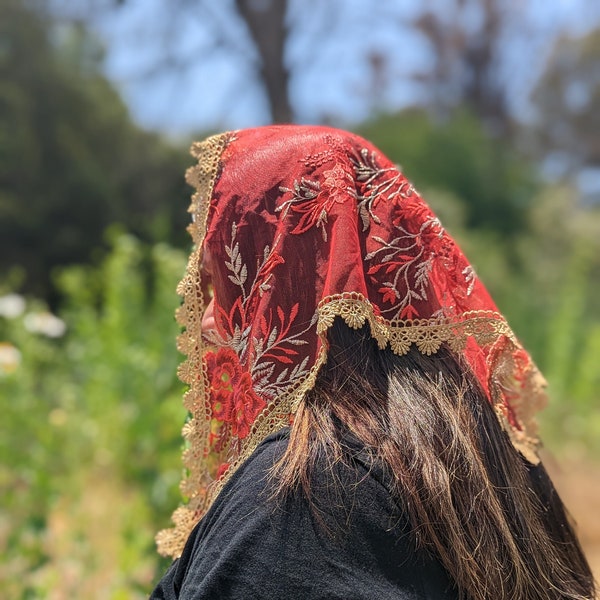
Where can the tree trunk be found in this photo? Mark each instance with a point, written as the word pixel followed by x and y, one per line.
pixel 266 22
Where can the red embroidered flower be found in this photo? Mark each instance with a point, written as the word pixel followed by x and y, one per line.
pixel 314 201
pixel 223 366
pixel 223 370
pixel 411 211
pixel 224 373
pixel 335 186
pixel 246 406
pixel 221 403
pixel 232 398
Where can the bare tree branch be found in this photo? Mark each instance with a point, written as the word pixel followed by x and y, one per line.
pixel 266 22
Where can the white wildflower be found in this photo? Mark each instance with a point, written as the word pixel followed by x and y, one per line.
pixel 10 358
pixel 12 306
pixel 45 323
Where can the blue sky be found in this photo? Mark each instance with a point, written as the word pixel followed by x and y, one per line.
pixel 216 89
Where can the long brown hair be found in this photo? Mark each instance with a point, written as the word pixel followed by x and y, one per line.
pixel 493 520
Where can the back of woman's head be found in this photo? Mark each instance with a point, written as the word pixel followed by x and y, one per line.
pixel 306 234
pixel 495 521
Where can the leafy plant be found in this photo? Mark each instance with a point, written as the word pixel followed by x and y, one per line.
pixel 92 430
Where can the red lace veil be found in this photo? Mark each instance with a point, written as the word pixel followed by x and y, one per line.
pixel 300 224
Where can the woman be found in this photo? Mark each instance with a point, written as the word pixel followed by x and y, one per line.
pixel 361 414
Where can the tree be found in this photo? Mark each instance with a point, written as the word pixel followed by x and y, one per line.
pixel 72 162
pixel 337 48
pixel 467 42
pixel 567 99
pixel 269 16
pixel 270 43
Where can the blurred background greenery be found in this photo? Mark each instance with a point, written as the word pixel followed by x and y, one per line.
pixel 92 244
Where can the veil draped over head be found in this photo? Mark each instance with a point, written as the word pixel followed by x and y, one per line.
pixel 294 226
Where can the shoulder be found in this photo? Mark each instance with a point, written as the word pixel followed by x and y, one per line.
pixel 350 503
pixel 349 541
pixel 218 560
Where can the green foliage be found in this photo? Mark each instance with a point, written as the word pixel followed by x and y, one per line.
pixel 71 160
pixel 547 284
pixel 91 430
pixel 559 305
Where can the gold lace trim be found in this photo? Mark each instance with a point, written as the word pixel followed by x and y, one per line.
pixel 486 327
pixel 202 176
pixel 427 334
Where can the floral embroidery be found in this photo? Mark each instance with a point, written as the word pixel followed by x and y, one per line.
pixel 276 340
pixel 420 258
pixel 337 186
pixel 313 201
pixel 348 237
pixel 224 371
pixel 378 184
pixel 401 270
pixel 246 406
pixel 232 397
pixel 222 470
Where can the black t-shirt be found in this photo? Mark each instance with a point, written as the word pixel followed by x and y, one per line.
pixel 352 543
